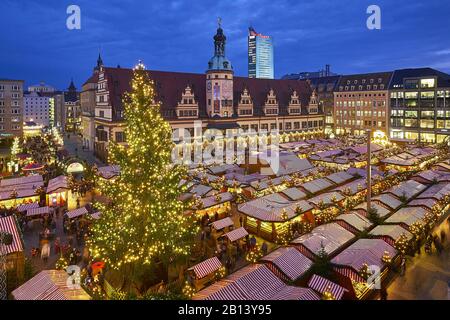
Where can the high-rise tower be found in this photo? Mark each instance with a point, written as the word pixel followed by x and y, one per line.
pixel 260 55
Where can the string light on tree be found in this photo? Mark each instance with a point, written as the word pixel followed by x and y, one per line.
pixel 144 223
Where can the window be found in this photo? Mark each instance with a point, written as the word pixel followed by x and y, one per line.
pixel 411 95
pixel 427 95
pixel 427 83
pixel 288 126
pixel 296 125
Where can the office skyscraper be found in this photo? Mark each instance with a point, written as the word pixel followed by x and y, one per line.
pixel 260 55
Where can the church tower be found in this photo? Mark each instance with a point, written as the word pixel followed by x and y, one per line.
pixel 219 79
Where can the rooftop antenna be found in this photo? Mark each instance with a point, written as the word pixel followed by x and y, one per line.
pixel 219 22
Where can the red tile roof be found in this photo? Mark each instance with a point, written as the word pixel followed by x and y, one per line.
pixel 171 85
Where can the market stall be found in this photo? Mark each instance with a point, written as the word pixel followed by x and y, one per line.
pixel 50 285
pixel 352 264
pixel 390 233
pixel 270 216
pixel 13 247
pixel 58 191
pixel 217 204
pixel 254 282
pixel 407 216
pixel 353 222
pixel 331 236
pixel 287 263
pixel 324 286
pixel 203 273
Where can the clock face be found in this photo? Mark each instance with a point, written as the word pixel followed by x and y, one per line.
pixel 209 86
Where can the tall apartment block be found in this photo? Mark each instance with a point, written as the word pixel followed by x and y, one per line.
pixel 11 108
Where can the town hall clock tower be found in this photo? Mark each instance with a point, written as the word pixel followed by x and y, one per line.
pixel 219 80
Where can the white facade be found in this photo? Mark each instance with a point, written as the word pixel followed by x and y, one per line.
pixel 38 109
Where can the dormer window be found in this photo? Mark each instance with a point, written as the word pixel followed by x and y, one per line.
pixel 187 107
pixel 294 104
pixel 245 106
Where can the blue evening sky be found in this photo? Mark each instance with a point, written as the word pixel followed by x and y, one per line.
pixel 177 35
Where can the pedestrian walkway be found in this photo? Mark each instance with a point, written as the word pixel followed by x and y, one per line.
pixel 74 146
pixel 427 275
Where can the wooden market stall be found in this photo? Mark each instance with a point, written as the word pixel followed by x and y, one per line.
pixel 22 190
pixel 50 285
pixel 331 236
pixel 13 246
pixel 219 204
pixel 288 264
pixel 204 272
pixel 58 191
pixel 322 285
pixel 350 263
pixel 353 222
pixel 254 282
pixel 407 216
pixel 270 216
pixel 390 233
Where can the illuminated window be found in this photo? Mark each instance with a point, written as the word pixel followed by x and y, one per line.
pixel 427 83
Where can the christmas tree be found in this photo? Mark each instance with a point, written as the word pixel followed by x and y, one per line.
pixel 15 148
pixel 143 225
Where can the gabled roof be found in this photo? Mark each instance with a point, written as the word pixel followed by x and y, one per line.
pixel 171 85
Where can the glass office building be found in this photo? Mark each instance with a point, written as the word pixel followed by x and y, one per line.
pixel 260 55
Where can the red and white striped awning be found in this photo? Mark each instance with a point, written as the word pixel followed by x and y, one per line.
pixel 76 213
pixel 9 225
pixel 222 223
pixel 96 215
pixel 206 267
pixel 291 262
pixel 27 206
pixel 38 211
pixel 49 285
pixel 321 284
pixel 236 234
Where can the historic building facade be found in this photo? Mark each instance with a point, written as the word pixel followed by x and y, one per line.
pixel 217 98
pixel 361 102
pixel 420 105
pixel 87 104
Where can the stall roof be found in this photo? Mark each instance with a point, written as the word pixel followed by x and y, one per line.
pixel 211 200
pixel 339 177
pixel 266 183
pixel 362 149
pixel 331 235
pixel 206 267
pixel 289 261
pixel 76 213
pixel 390 230
pixel 222 223
pixel 38 211
pixel 272 207
pixel 443 166
pixel 382 211
pixel 236 234
pixel 355 220
pixel 408 188
pixel 428 203
pixel 21 193
pixel 29 180
pixel 220 169
pixel 253 282
pixel 57 183
pixel 326 198
pixel 363 251
pixel 388 200
pixel 407 215
pixel 317 185
pixel 200 189
pixel 244 178
pixel 108 172
pixel 294 194
pixel 320 284
pixel 353 186
pixel 437 191
pixel 27 206
pixel 49 285
pixel 433 175
pixel 9 225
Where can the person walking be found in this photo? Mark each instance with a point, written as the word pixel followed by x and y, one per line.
pixel 45 251
pixel 241 221
pixel 264 248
